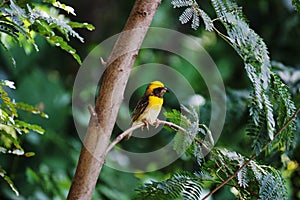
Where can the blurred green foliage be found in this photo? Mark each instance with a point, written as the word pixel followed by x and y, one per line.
pixel 44 79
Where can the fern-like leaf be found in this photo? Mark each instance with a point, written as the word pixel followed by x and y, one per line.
pixel 13 61
pixel 206 19
pixel 254 53
pixel 181 3
pixel 181 185
pixel 273 187
pixel 61 24
pixel 187 119
pixel 23 23
pixel 264 180
pixel 8 180
pixel 186 16
pixel 242 175
pixel 195 21
pixel 9 30
pixel 289 75
pixel 285 109
pixel 192 12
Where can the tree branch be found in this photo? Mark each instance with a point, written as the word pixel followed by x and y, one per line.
pixel 158 122
pixel 109 99
pixel 122 135
pixel 254 155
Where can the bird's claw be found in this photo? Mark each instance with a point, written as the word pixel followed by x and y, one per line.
pixel 146 123
pixel 156 123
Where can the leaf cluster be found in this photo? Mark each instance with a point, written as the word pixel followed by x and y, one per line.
pixel 264 98
pixel 21 22
pixel 271 116
pixel 192 12
pixel 181 185
pixel 11 127
pixel 269 95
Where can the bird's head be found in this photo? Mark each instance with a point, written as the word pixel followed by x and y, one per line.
pixel 156 88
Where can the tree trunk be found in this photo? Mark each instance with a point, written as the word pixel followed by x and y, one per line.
pixel 109 99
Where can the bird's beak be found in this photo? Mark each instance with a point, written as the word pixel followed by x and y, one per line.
pixel 166 89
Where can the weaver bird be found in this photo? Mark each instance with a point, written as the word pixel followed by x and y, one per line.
pixel 149 106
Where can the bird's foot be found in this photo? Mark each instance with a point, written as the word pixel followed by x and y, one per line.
pixel 146 123
pixel 156 123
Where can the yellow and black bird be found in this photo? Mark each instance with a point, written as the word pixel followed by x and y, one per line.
pixel 149 106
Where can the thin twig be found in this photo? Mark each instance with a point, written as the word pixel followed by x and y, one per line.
pixel 92 110
pixel 104 63
pixel 254 155
pixel 122 135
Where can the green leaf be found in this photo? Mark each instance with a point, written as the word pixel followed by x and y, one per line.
pixel 174 116
pixel 88 26
pixel 285 110
pixel 29 154
pixel 23 21
pixel 7 110
pixel 26 127
pixel 273 186
pixel 32 109
pixel 60 42
pixel 192 12
pixel 255 55
pixel 9 140
pixel 32 176
pixel 9 30
pixel 64 7
pixel 8 136
pixel 8 180
pixel 181 3
pixel 181 185
pixel 13 61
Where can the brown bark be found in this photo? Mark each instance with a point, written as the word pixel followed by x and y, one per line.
pixel 109 99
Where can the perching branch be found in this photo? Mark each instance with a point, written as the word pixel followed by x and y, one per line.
pixel 158 122
pixel 254 155
pixel 122 135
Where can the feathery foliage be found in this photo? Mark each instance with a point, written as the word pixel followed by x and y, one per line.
pixel 264 98
pixel 252 49
pixel 254 53
pixel 249 179
pixel 192 12
pixel 21 23
pixel 289 75
pixel 285 107
pixel 189 120
pixel 11 127
pixel 270 109
pixel 182 185
pixel 252 179
pixel 272 186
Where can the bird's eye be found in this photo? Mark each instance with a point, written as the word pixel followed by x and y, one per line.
pixel 157 91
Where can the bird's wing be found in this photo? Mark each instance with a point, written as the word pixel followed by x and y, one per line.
pixel 140 107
